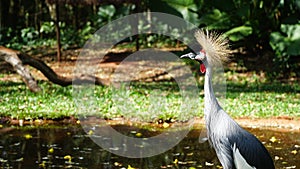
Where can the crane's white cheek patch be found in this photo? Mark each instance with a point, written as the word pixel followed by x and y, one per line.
pixel 200 56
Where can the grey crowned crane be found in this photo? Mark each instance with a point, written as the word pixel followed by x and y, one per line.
pixel 235 147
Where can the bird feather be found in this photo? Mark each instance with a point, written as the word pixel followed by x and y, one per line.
pixel 239 160
pixel 215 45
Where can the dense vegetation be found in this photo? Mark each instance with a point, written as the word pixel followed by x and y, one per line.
pixel 263 30
pixel 265 33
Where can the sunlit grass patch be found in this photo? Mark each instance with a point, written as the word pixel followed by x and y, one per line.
pixel 18 102
pixel 148 101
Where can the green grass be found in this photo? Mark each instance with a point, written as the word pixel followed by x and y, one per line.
pixel 147 102
pixel 263 100
pixel 17 101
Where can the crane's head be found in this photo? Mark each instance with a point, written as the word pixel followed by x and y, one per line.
pixel 200 57
pixel 215 49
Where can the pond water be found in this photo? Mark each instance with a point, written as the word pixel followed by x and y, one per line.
pixel 70 147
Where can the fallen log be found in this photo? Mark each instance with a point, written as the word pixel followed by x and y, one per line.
pixel 12 58
pixel 18 59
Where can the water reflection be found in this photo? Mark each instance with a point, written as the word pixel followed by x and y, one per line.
pixel 71 147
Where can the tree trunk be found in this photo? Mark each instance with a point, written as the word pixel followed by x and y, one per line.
pixel 1 11
pixel 54 13
pixel 57 32
pixel 17 59
pixel 11 57
pixel 37 16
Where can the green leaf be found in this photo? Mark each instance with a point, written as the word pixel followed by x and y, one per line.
pixel 185 9
pixel 216 20
pixel 293 48
pixel 287 43
pixel 239 33
pixel 162 6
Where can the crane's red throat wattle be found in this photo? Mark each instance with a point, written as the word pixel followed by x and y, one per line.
pixel 202 68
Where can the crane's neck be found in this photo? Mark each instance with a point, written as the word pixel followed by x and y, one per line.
pixel 211 104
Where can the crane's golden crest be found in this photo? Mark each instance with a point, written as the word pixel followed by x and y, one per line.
pixel 215 46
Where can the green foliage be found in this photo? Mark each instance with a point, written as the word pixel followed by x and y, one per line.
pixel 28 38
pixel 9 39
pixel 245 97
pixel 106 14
pixel 29 35
pixel 285 44
pixel 47 28
pixel 185 9
pixel 254 96
pixel 18 102
pixel 239 33
pixel 258 26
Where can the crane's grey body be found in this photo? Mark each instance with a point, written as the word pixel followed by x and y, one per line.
pixel 228 138
pixel 235 147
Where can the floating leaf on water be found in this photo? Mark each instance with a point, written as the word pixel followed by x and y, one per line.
pixel 294 152
pixel 182 162
pixel 133 132
pixel 68 157
pixel 175 161
pixel 117 164
pixel 51 150
pixel 90 132
pixel 190 154
pixel 42 165
pixel 209 164
pixel 273 139
pixel 20 159
pixel 28 136
pixel 2 160
pixel 138 134
pixel 191 162
pixel 129 167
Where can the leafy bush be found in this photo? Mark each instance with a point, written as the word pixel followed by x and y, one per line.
pixel 286 44
pixel 261 27
pixel 47 28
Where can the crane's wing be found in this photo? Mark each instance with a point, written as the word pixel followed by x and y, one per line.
pixel 239 160
pixel 250 149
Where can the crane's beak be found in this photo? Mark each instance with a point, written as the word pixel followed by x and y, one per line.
pixel 198 58
pixel 189 55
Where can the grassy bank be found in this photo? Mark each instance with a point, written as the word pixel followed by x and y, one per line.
pixel 243 98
